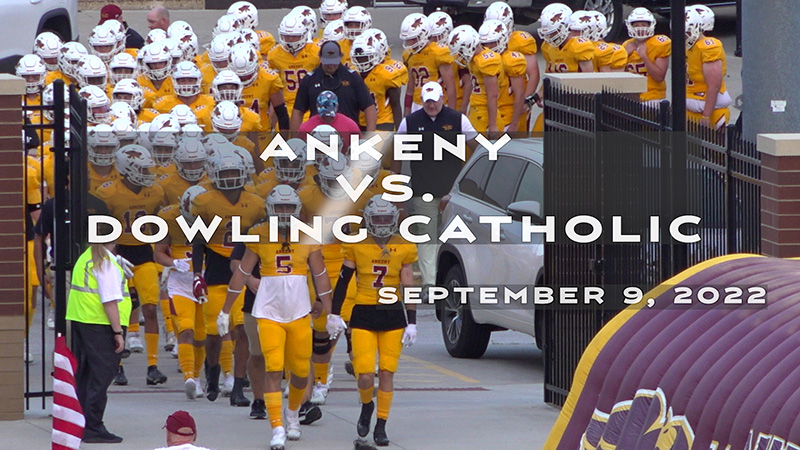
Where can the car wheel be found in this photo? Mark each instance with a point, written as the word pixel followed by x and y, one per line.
pixel 612 9
pixel 463 338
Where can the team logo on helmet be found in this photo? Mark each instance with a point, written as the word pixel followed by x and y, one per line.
pixel 134 153
pixel 585 19
pixel 556 18
pixel 244 8
pixel 417 23
pixel 441 22
pixel 499 28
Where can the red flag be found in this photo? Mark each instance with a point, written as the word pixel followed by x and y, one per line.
pixel 68 420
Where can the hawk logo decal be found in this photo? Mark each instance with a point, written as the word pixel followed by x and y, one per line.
pixel 417 23
pixel 556 18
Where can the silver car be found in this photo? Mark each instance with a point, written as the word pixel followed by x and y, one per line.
pixel 512 185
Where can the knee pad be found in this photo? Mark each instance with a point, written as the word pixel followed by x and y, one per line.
pixel 322 345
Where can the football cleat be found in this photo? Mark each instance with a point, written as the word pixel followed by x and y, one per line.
pixel 293 432
pixel 190 388
pixel 278 440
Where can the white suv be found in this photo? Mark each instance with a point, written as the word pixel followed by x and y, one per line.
pixel 513 185
pixel 22 20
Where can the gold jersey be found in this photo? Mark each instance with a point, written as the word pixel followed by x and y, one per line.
pixel 568 57
pixel 293 68
pixel 609 54
pixel 424 65
pixel 179 247
pixel 514 65
pixel 96 180
pixel 249 208
pixel 278 259
pixel 151 94
pixel 127 206
pixel 384 76
pixel 378 267
pixel 705 50
pixel 521 42
pixel 485 63
pixel 658 46
pixel 202 107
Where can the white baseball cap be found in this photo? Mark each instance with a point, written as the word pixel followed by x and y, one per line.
pixel 431 91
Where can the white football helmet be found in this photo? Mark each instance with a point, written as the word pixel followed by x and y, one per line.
pixel 581 21
pixel 157 61
pixel 246 13
pixel 309 18
pixel 463 42
pixel 554 24
pixel 190 158
pixel 48 46
pixel 243 61
pixel 184 114
pixel 329 170
pixel 367 165
pixel 32 69
pixel 48 100
pixel 334 31
pixel 705 12
pixel 226 24
pixel 250 37
pixel 174 49
pixel 283 203
pixel 192 131
pixel 292 33
pixel 220 48
pixel 164 144
pixel 155 35
pixel 288 170
pixel 162 122
pixel 380 217
pixel 122 67
pixel 694 27
pixel 71 53
pixel 102 144
pixel 365 53
pixel 493 34
pixel 502 12
pixel 440 24
pixel 98 106
pixel 119 31
pixel 91 70
pixel 187 44
pixel 228 170
pixel 226 119
pixel 247 159
pixel 187 199
pixel 641 15
pixel 143 135
pixel 227 86
pixel 323 134
pixel 177 28
pixel 122 110
pixel 130 92
pixel 598 26
pixel 135 163
pixel 414 32
pixel 331 10
pixel 356 20
pixel 125 131
pixel 103 43
pixel 186 79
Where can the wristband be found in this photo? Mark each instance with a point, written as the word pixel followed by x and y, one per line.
pixel 241 270
pixel 326 292
pixel 234 291
pixel 117 333
pixel 412 316
pixel 324 271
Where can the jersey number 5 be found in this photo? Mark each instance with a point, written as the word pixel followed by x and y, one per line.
pixel 283 264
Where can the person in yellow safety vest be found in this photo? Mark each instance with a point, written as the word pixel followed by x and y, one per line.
pixel 98 304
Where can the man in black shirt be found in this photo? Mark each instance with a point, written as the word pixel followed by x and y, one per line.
pixel 132 38
pixel 347 84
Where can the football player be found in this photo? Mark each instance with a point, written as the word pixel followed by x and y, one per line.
pixel 293 59
pixel 217 54
pixel 494 36
pixel 98 106
pixel 608 57
pixel 162 139
pixel 383 78
pixel 356 20
pixel 101 154
pixel 92 71
pixel 488 78
pixel 122 67
pixel 563 51
pixel 129 91
pixel 281 307
pixel 71 53
pixel 707 99
pixel 48 46
pixel 334 31
pixel 426 61
pixel 384 330
pixel 174 253
pixel 134 195
pixel 309 18
pixel 441 24
pixel 155 81
pixel 247 14
pixel 186 79
pixel 331 11
pixel 262 86
pixel 286 170
pixel 103 43
pixel 32 69
pixel 228 200
pixel 648 53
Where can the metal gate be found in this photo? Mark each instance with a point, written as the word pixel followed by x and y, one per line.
pixel 61 128
pixel 608 155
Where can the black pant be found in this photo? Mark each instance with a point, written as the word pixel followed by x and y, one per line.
pixel 93 347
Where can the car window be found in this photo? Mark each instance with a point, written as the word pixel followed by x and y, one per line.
pixel 500 188
pixel 531 186
pixel 474 180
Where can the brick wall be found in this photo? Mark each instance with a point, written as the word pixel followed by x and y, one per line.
pixel 12 244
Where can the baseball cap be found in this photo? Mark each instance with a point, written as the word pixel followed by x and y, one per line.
pixel 431 91
pixel 327 104
pixel 110 11
pixel 330 53
pixel 179 420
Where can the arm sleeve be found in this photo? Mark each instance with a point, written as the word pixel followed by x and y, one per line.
pixel 109 282
pixel 301 100
pixel 340 292
pixel 238 251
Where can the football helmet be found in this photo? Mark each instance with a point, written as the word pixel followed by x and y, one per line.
pixel 329 171
pixel 380 217
pixel 246 13
pixel 250 37
pixel 135 163
pixel 32 69
pixel 226 24
pixel 71 53
pixel 164 144
pixel 292 26
pixel 226 86
pixel 48 46
pixel 554 24
pixel 226 119
pixel 162 122
pixel 157 61
pixel 440 24
pixel 463 42
pixel 190 158
pixel 91 70
pixel 143 135
pixel 367 165
pixel 247 159
pixel 323 134
pixel 414 32
pixel 581 21
pixel 124 130
pixel 283 203
pixel 334 31
pixel 365 53
pixel 177 28
pixel 331 10
pixel 102 145
pixel 356 20
pixel 380 38
pixel 187 199
pixel 309 18
pixel 192 131
pixel 705 12
pixel 122 110
pixel 187 44
pixel 122 67
pixel 694 27
pixel 598 26
pixel 228 170
pixel 130 92
pixel 493 32
pixel 243 61
pixel 120 32
pixel 98 106
pixel 155 35
pixel 184 114
pixel 502 12
pixel 186 79
pixel 103 43
pixel 641 15
pixel 288 170
pixel 174 49
pixel 220 48
pixel 48 100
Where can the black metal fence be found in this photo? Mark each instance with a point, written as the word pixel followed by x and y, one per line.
pixel 612 157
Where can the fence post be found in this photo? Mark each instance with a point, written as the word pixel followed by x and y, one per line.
pixel 780 194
